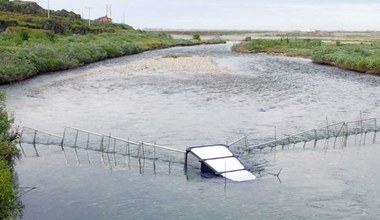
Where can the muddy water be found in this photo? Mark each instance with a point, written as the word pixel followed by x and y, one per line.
pixel 187 109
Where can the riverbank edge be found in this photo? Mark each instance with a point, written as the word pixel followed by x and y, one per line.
pixel 139 50
pixel 241 48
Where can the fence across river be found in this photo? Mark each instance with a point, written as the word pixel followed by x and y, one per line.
pixel 336 130
pixel 75 138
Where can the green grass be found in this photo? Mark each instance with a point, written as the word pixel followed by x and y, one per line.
pixel 31 44
pixel 45 51
pixel 9 207
pixel 8 203
pixel 358 57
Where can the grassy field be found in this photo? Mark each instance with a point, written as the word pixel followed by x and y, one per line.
pixel 31 44
pixel 358 56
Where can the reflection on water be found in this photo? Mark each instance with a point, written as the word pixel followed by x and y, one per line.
pixel 316 183
pixel 191 109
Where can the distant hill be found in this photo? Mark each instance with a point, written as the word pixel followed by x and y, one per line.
pixel 24 7
pixel 30 7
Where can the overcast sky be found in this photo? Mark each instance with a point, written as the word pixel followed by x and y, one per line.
pixel 234 14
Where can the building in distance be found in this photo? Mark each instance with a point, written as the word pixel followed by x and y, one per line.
pixel 104 19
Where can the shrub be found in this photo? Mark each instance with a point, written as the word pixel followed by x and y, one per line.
pixel 130 48
pixel 52 58
pixel 247 38
pixel 15 65
pixel 196 37
pixel 80 52
pixel 111 48
pixel 51 36
pixel 9 206
pixel 24 36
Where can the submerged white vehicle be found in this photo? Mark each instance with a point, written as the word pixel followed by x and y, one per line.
pixel 218 160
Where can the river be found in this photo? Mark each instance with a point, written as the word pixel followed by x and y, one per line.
pixel 258 92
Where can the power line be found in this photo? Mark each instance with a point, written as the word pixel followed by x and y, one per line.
pixel 48 9
pixel 109 11
pixel 89 15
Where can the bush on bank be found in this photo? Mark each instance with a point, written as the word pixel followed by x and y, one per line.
pixel 9 206
pixel 8 203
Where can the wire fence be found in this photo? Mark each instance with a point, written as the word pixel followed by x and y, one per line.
pixel 239 146
pixel 33 136
pixel 330 131
pixel 77 138
pixel 110 160
pixel 82 139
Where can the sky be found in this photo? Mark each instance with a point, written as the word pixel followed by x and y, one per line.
pixel 284 15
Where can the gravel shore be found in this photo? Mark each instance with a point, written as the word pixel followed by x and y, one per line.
pixel 191 64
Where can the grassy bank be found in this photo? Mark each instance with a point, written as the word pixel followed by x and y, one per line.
pixel 44 52
pixel 31 44
pixel 361 57
pixel 9 207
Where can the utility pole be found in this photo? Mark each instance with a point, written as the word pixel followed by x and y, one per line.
pixel 48 9
pixel 109 11
pixel 89 15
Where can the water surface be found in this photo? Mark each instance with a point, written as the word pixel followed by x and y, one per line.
pixel 188 109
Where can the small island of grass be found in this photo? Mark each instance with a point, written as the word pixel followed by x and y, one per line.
pixel 174 56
